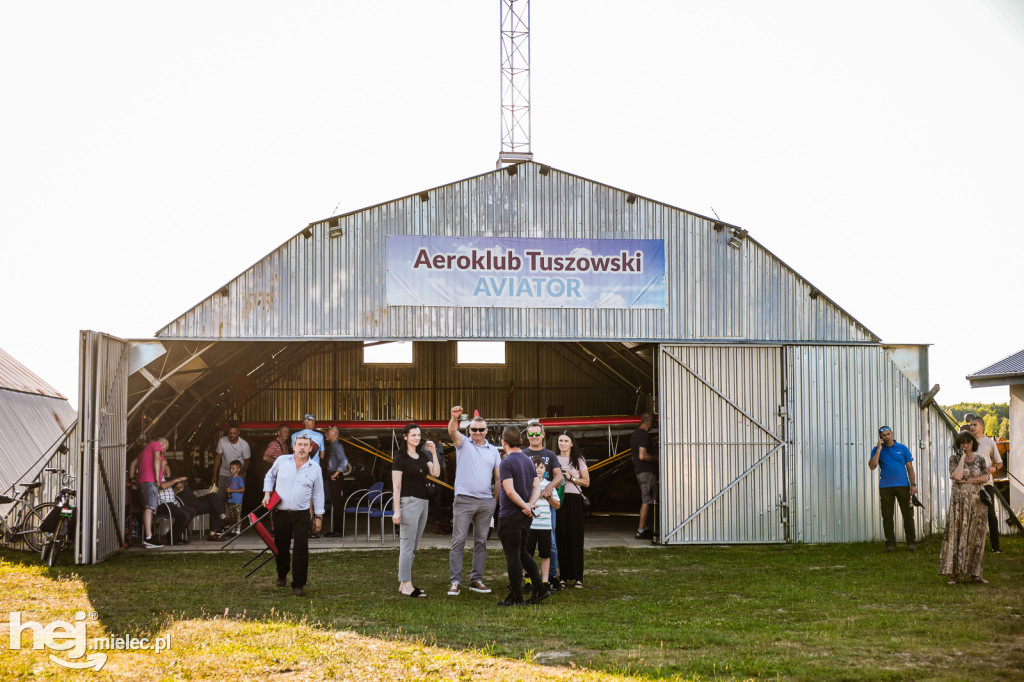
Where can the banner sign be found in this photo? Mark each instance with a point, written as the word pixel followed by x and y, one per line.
pixel 485 272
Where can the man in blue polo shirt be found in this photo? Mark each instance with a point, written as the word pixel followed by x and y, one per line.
pixel 896 483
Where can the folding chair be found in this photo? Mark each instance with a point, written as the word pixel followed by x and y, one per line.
pixel 363 506
pixel 163 513
pixel 267 540
pixel 385 511
pixel 271 503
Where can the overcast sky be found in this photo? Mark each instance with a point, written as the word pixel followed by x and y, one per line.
pixel 150 152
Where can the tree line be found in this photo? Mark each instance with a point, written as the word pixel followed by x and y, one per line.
pixel 996 416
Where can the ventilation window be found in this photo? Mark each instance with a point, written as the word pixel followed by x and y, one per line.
pixel 393 353
pixel 480 353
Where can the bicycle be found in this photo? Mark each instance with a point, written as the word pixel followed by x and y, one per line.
pixel 25 526
pixel 57 524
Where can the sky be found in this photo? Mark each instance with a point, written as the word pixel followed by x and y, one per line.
pixel 150 152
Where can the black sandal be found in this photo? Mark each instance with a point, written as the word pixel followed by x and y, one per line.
pixel 417 593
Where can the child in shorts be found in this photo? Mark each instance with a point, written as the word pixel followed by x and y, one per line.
pixel 540 529
pixel 236 486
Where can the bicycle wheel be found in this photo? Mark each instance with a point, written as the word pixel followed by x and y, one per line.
pixel 28 529
pixel 58 542
pixel 67 539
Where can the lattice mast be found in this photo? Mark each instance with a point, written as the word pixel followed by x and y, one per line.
pixel 515 82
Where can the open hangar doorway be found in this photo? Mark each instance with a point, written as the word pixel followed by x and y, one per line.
pixel 138 390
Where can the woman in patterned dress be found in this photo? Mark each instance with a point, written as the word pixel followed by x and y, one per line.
pixel 963 546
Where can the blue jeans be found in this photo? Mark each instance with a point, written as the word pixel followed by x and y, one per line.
pixel 553 573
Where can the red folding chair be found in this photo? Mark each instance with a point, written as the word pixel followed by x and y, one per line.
pixel 267 540
pixel 271 503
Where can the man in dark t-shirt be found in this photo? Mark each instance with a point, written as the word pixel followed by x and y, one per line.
pixel 515 513
pixel 553 478
pixel 645 466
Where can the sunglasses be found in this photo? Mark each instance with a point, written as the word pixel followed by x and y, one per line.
pixel 479 430
pixel 534 434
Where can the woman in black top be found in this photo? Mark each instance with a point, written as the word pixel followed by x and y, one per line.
pixel 409 478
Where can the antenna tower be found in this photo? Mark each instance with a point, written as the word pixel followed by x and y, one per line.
pixel 515 82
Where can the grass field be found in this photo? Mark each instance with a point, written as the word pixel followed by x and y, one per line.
pixel 741 612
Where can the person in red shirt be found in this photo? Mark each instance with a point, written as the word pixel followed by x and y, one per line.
pixel 149 466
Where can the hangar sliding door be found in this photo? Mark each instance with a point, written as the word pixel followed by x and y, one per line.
pixel 102 409
pixel 722 444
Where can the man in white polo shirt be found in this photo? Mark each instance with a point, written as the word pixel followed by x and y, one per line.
pixel 476 492
pixel 230 448
pixel 988 449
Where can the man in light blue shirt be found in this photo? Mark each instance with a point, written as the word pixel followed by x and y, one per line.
pixel 476 492
pixel 299 484
pixel 896 483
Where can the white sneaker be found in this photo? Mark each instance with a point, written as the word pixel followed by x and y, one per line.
pixel 454 589
pixel 150 543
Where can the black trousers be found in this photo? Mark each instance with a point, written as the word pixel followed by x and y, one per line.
pixel 569 534
pixel 337 503
pixel 888 498
pixel 288 526
pixel 993 519
pixel 181 516
pixel 514 532
pixel 208 504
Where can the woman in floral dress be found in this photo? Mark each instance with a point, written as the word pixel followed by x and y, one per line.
pixel 963 546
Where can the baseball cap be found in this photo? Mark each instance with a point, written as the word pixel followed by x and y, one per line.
pixel 311 417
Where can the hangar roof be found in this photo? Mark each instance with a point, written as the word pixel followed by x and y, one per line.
pixel 328 281
pixel 34 417
pixel 15 376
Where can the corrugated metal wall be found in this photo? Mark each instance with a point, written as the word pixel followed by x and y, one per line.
pixel 335 384
pixel 722 444
pixel 325 286
pixel 723 452
pixel 838 398
pixel 725 476
pixel 103 400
